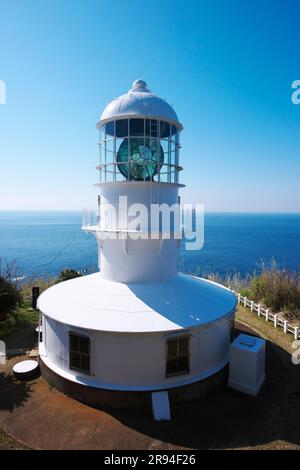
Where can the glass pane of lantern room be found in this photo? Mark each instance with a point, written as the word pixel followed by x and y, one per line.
pixel 110 129
pixel 153 127
pixel 122 128
pixel 147 127
pixel 173 130
pixel 164 130
pixel 102 133
pixel 122 157
pixel 136 127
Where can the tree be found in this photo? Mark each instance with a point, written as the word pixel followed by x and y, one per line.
pixel 10 297
pixel 67 274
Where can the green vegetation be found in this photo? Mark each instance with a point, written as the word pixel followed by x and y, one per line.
pixel 272 287
pixel 67 274
pixel 17 319
pixel 10 297
pixel 15 303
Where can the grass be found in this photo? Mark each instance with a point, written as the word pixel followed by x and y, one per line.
pixel 284 418
pixel 19 318
pixel 272 287
pixel 24 316
pixel 7 443
pixel 265 329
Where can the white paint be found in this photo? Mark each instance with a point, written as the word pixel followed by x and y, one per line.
pixel 140 260
pixel 259 310
pixel 267 314
pixel 161 406
pixel 99 304
pixel 138 300
pixel 139 102
pixel 247 364
pixel 25 367
pixel 135 361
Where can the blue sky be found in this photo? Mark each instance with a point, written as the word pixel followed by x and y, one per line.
pixel 226 67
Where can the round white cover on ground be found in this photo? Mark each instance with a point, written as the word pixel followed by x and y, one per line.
pixel 25 367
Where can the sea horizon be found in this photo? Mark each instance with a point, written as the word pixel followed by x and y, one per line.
pixel 44 242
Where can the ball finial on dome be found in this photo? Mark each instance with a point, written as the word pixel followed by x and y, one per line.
pixel 139 85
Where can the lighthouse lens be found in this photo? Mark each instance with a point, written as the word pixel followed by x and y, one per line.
pixel 140 159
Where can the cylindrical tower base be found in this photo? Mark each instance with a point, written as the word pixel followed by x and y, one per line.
pixel 101 398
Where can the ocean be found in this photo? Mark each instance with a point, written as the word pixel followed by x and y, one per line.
pixel 44 243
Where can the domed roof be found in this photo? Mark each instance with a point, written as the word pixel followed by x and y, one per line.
pixel 175 304
pixel 139 101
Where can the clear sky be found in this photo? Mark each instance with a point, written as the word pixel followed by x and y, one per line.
pixel 225 66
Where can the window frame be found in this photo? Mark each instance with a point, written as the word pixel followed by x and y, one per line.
pixel 167 359
pixel 79 369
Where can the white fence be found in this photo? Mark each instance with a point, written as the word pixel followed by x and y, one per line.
pixel 269 316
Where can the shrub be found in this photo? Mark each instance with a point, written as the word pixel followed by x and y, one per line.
pixel 246 292
pixel 272 287
pixel 10 297
pixel 277 289
pixel 67 274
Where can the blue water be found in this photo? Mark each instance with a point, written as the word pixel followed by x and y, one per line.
pixel 44 243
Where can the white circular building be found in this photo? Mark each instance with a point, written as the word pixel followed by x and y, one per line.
pixel 137 326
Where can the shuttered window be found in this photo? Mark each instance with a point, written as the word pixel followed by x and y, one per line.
pixel 80 349
pixel 178 356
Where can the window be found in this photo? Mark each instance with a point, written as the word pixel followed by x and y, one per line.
pixel 178 356
pixel 136 127
pixel 80 349
pixel 110 128
pixel 122 128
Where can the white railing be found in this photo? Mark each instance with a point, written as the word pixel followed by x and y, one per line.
pixel 268 315
pixel 89 218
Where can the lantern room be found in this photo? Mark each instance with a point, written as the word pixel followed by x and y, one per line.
pixel 139 149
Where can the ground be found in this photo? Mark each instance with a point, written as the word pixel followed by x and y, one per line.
pixel 33 412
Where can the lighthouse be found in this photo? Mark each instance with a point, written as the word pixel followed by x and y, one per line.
pixel 137 327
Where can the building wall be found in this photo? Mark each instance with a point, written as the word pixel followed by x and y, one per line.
pixel 138 260
pixel 137 361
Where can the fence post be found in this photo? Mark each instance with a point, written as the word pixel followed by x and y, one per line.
pixel 239 298
pixel 267 314
pixel 296 332
pixel 35 292
pixel 275 319
pixel 245 301
pixel 285 326
pixel 252 305
pixel 259 310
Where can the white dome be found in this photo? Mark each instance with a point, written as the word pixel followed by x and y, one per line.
pixel 140 102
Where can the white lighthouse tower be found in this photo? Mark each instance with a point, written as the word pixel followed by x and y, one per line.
pixel 137 326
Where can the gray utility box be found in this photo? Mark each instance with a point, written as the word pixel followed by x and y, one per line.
pixel 247 364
